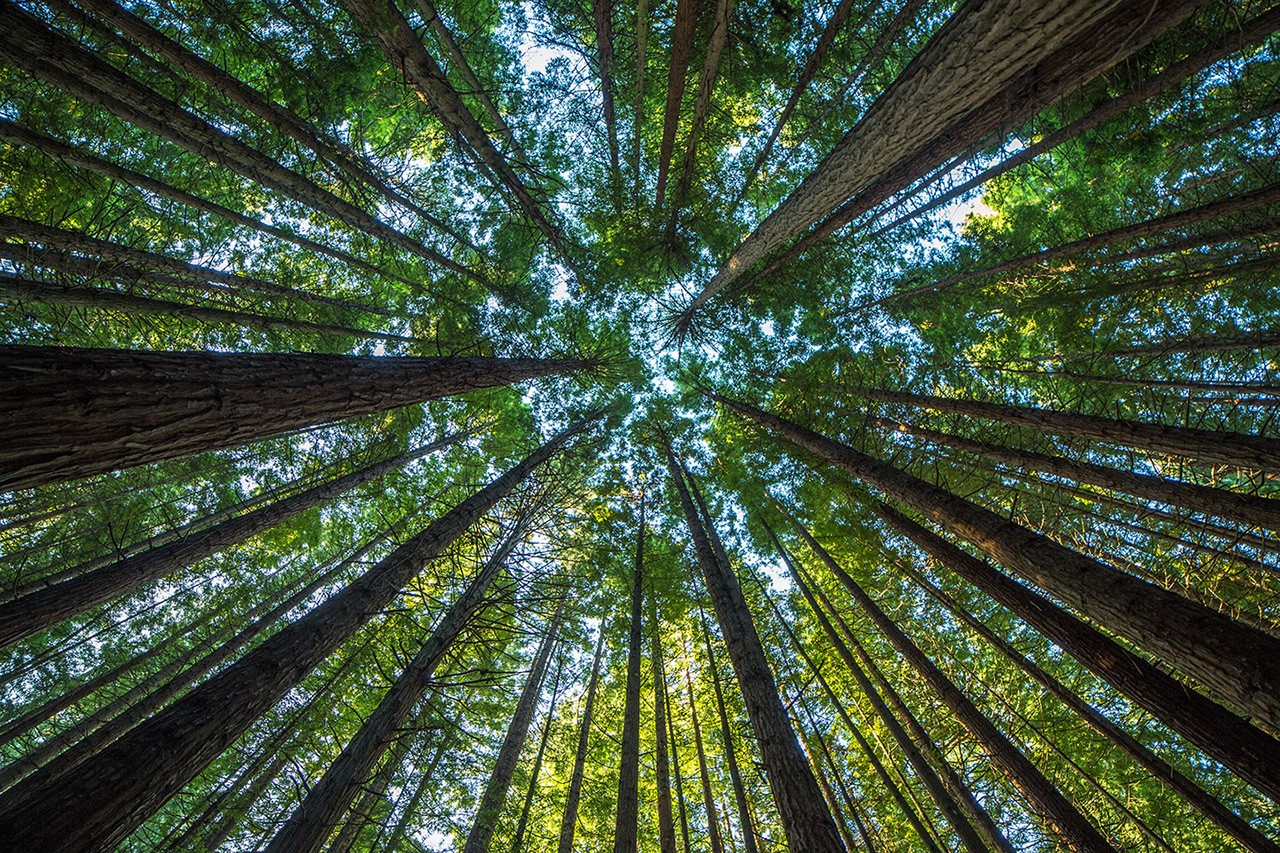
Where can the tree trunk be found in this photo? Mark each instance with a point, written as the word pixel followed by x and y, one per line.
pixel 686 23
pixel 1239 662
pixel 708 799
pixel 844 792
pixel 517 845
pixel 69 412
pixel 315 818
pixel 642 44
pixel 1075 831
pixel 371 794
pixel 29 44
pixel 47 607
pixel 666 821
pixel 943 797
pixel 1208 805
pixel 1239 746
pixel 495 791
pixel 745 823
pixel 395 840
pixel 992 65
pixel 1235 506
pixel 626 823
pixel 675 767
pixel 1210 447
pixel 805 818
pixel 569 820
pixel 121 787
pixel 602 14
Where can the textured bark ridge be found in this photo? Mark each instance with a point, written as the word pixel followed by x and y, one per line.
pixel 69 412
pixel 1231 660
pixel 801 808
pixel 96 807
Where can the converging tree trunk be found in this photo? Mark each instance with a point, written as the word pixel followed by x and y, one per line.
pixel 666 820
pixel 682 33
pixel 626 826
pixel 68 412
pixel 745 824
pixel 708 798
pixel 114 792
pixel 569 819
pixel 517 842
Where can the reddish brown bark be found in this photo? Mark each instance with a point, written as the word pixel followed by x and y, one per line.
pixel 602 15
pixel 625 832
pixel 681 47
pixel 69 412
pixel 110 795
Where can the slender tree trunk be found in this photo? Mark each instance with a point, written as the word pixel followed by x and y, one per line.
pixel 1235 506
pixel 642 44
pixel 1238 662
pixel 679 774
pixel 666 821
pixel 1208 805
pixel 495 791
pixel 1210 447
pixel 943 796
pixel 117 790
pixel 686 23
pixel 745 823
pixel 517 845
pixel 315 818
pixel 569 820
pixel 708 799
pixel 422 789
pixel 70 412
pixel 602 15
pixel 626 823
pixel 992 65
pixel 833 802
pixel 29 44
pixel 844 792
pixel 371 794
pixel 805 818
pixel 1243 749
pixel 47 607
pixel 1075 830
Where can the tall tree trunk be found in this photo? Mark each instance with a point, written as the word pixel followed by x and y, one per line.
pixel 642 44
pixel 315 818
pixel 1075 830
pixel 69 412
pixel 118 789
pixel 27 43
pixel 372 794
pixel 666 821
pixel 47 607
pixel 677 771
pixel 943 796
pixel 708 798
pixel 1210 447
pixel 992 65
pixel 569 820
pixel 422 789
pixel 1243 749
pixel 1238 662
pixel 602 15
pixel 805 818
pixel 745 823
pixel 1235 506
pixel 626 823
pixel 682 32
pixel 1208 805
pixel 517 844
pixel 495 790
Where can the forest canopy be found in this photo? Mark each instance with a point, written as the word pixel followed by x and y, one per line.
pixel 684 425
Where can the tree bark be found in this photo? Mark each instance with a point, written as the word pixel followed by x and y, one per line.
pixel 517 844
pixel 642 44
pixel 626 826
pixel 1210 447
pixel 1235 506
pixel 745 824
pixel 666 820
pixel 1075 831
pixel 1240 663
pixel 117 790
pixel 68 412
pixel 805 818
pixel 602 15
pixel 682 33
pixel 992 65
pixel 708 799
pixel 495 790
pixel 569 820
pixel 1240 747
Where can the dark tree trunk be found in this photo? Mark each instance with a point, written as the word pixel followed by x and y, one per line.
pixel 625 837
pixel 495 790
pixel 941 794
pixel 708 799
pixel 642 43
pixel 681 47
pixel 602 15
pixel 1238 662
pixel 69 412
pixel 666 821
pixel 315 818
pixel 1242 748
pixel 677 771
pixel 1235 506
pixel 517 844
pixel 569 820
pixel 745 823
pixel 804 814
pixel 1075 830
pixel 47 607
pixel 117 790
